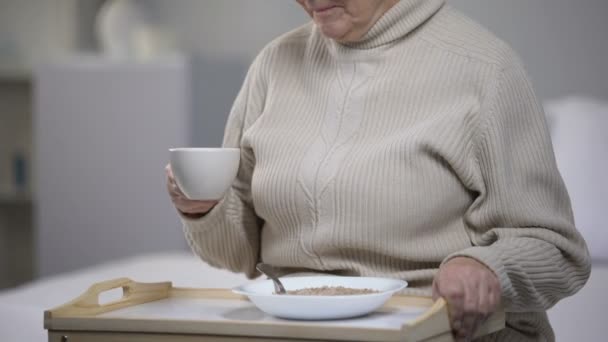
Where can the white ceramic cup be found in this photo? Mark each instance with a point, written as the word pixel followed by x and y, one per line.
pixel 204 173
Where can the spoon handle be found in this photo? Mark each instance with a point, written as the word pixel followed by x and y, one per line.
pixel 269 272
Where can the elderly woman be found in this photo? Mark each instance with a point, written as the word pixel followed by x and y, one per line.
pixel 397 139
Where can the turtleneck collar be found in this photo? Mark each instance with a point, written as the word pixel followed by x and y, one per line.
pixel 401 19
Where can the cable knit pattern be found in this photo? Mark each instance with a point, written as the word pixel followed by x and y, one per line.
pixel 386 157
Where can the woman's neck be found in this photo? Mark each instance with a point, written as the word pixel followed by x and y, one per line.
pixel 396 22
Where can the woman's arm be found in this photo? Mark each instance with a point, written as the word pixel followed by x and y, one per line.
pixel 521 224
pixel 228 235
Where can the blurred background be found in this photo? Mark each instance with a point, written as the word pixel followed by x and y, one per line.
pixel 93 93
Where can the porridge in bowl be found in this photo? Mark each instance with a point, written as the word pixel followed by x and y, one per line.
pixel 330 291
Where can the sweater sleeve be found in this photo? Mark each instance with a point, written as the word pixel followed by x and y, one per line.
pixel 228 236
pixel 521 224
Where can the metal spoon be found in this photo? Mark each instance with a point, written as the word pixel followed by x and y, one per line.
pixel 269 272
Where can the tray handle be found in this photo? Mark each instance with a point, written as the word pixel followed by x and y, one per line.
pixel 133 293
pixel 437 320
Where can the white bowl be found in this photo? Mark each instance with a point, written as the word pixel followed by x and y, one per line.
pixel 204 173
pixel 301 307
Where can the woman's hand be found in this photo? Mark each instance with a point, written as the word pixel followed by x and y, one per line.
pixel 189 208
pixel 472 291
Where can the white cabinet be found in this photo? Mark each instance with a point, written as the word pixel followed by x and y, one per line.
pixel 102 130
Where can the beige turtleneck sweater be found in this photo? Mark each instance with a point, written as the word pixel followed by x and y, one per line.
pixel 422 142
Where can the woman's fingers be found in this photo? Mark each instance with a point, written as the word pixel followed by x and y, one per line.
pixel 189 206
pixel 453 292
pixel 472 292
pixel 181 202
pixel 494 294
pixel 194 207
pixel 489 298
pixel 485 307
pixel 172 187
pixel 470 309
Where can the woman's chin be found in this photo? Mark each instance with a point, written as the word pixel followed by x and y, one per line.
pixel 334 31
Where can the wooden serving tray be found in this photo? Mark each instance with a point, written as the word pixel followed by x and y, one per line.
pixel 161 312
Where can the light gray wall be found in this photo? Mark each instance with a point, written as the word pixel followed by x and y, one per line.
pixel 102 133
pixel 563 43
